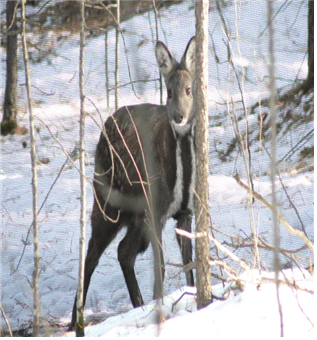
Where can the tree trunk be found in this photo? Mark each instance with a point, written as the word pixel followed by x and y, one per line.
pixel 117 56
pixel 273 113
pixel 36 302
pixel 157 38
pixel 309 83
pixel 9 122
pixel 106 60
pixel 203 271
pixel 80 323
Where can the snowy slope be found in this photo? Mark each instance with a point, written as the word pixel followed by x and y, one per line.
pixel 252 312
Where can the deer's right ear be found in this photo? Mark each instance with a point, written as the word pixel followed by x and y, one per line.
pixel 164 59
pixel 188 59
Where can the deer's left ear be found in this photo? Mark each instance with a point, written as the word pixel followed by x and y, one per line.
pixel 164 59
pixel 189 57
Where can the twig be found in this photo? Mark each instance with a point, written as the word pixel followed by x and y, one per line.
pixel 134 162
pixel 104 7
pixel 217 250
pixel 287 195
pixel 36 13
pixel 217 244
pixel 7 321
pixel 45 93
pixel 279 216
pixel 229 270
pixel 246 243
pixel 59 143
pixel 13 18
pixel 176 302
pixel 294 149
pixel 270 22
pixel 247 158
pixel 247 142
pixel 227 32
pixel 125 46
pixel 45 199
pixel 238 243
pixel 286 282
pixel 294 284
pixel 134 82
pixel 186 267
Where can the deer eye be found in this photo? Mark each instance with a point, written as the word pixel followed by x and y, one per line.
pixel 169 94
pixel 188 91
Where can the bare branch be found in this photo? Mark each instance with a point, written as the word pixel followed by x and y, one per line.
pixel 45 199
pixel 123 39
pixel 217 244
pixel 6 320
pixel 289 199
pixel 13 18
pixel 280 217
pixel 46 94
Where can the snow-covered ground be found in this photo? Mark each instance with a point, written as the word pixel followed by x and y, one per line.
pixel 56 106
pixel 252 312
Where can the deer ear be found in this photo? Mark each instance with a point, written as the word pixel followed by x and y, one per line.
pixel 164 59
pixel 189 57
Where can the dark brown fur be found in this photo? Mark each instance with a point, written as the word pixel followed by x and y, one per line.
pixel 144 173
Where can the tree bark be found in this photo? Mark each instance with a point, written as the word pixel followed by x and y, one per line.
pixel 80 323
pixel 203 271
pixel 36 302
pixel 309 83
pixel 9 123
pixel 117 56
pixel 106 61
pixel 273 112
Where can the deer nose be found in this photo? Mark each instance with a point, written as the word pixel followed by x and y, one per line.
pixel 178 118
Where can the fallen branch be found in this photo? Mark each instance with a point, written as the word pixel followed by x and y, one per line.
pixel 279 216
pixel 176 302
pixel 217 244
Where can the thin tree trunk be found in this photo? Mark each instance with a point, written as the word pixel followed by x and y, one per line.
pixel 117 56
pixel 273 159
pixel 309 83
pixel 311 41
pixel 9 123
pixel 106 60
pixel 203 271
pixel 157 38
pixel 36 304
pixel 80 323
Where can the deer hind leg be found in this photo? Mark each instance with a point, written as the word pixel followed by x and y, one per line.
pixel 103 232
pixel 136 241
pixel 184 220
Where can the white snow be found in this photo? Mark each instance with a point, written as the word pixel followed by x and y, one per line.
pixel 252 312
pixel 249 313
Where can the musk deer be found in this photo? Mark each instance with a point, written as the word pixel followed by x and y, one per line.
pixel 145 174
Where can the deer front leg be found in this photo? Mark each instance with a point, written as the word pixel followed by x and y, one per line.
pixel 184 219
